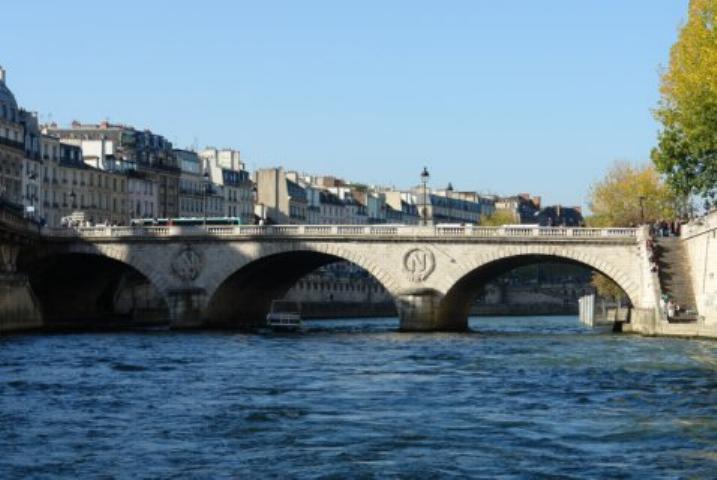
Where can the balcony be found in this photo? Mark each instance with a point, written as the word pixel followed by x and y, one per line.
pixel 12 144
pixel 167 168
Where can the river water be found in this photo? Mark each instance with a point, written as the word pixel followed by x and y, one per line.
pixel 518 398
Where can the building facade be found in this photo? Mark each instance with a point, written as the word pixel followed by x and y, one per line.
pixel 73 189
pixel 523 207
pixel 227 171
pixel 120 148
pixel 12 147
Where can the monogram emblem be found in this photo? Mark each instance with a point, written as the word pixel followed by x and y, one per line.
pixel 419 264
pixel 187 264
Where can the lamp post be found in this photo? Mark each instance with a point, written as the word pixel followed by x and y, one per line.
pixel 449 192
pixel 424 179
pixel 642 210
pixel 205 191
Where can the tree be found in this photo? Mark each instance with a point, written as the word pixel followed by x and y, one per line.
pixel 629 195
pixel 499 217
pixel 687 144
pixel 606 288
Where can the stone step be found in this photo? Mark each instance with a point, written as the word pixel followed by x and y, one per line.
pixel 674 275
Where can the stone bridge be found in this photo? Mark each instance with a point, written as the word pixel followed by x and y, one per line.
pixel 228 275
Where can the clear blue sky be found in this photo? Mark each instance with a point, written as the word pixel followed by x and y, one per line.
pixel 500 97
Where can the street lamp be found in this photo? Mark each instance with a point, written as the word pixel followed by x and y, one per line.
pixel 642 210
pixel 424 179
pixel 449 191
pixel 205 191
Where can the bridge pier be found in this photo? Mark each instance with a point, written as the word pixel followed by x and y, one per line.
pixel 19 309
pixel 186 308
pixel 421 310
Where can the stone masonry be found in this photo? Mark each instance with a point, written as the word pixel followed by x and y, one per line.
pixel 430 272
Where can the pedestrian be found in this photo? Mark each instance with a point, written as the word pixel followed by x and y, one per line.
pixel 670 309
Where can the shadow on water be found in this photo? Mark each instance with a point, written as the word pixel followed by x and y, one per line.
pixel 481 326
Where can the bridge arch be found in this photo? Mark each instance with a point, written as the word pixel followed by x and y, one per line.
pixel 81 282
pixel 241 294
pixel 461 289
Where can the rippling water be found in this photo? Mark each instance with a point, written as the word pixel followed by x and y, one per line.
pixel 521 397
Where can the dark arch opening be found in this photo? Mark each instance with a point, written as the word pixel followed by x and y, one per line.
pixel 245 297
pixel 79 290
pixel 459 300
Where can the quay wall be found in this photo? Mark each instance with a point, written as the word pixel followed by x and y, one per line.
pixel 648 322
pixel 700 240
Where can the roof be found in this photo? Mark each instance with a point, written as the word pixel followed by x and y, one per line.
pixel 329 198
pixel 6 96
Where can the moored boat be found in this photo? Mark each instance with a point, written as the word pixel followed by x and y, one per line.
pixel 284 317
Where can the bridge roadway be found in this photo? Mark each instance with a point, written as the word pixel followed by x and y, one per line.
pixel 228 275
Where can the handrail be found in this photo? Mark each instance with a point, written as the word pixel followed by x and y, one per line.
pixel 452 231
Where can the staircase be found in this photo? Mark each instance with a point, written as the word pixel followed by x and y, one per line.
pixel 675 280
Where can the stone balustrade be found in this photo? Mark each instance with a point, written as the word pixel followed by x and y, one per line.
pixel 523 232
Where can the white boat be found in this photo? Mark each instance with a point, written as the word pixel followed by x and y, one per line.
pixel 284 317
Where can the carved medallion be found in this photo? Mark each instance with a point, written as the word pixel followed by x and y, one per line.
pixel 419 263
pixel 187 264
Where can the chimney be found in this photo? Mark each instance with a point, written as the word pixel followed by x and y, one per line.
pixel 2 75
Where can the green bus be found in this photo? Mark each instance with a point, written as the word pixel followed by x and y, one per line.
pixel 184 221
